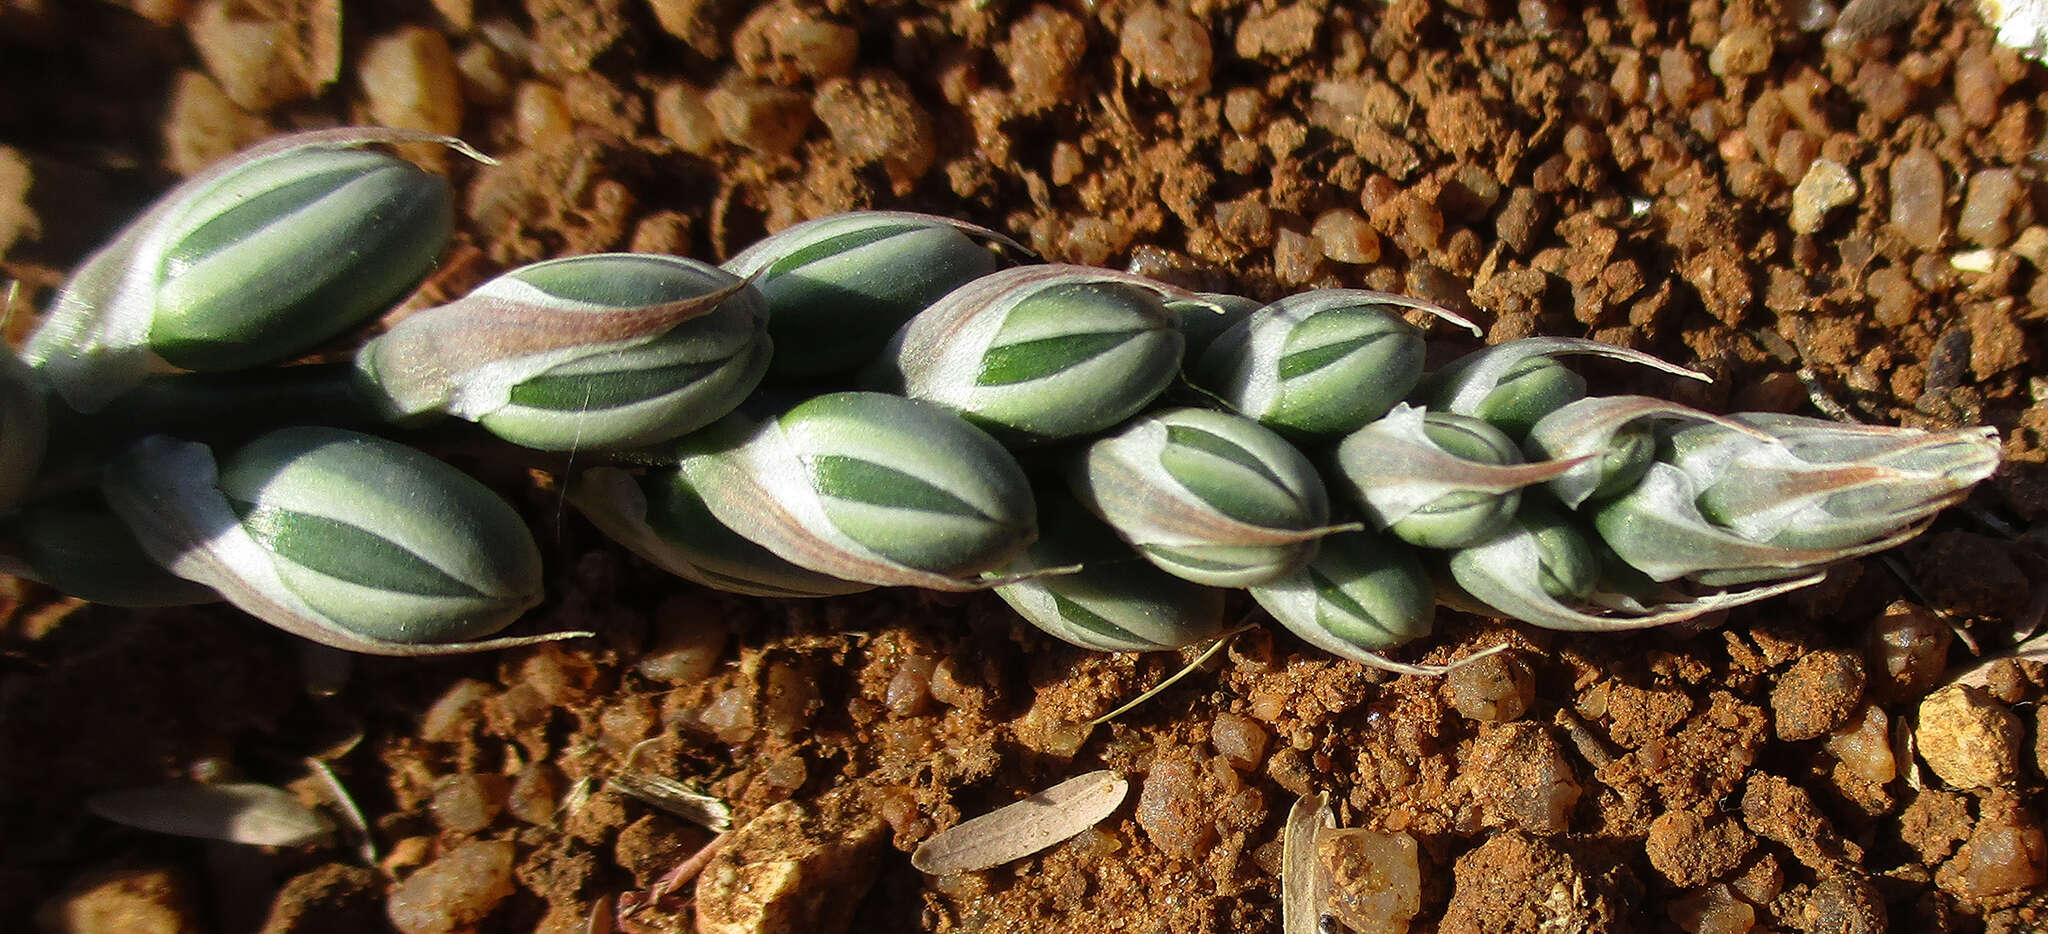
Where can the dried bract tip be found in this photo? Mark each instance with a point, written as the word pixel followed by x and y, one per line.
pixel 1438 480
pixel 603 351
pixel 661 518
pixel 1320 363
pixel 867 487
pixel 1042 353
pixel 838 287
pixel 261 257
pixel 343 538
pixel 1214 498
pixel 1363 593
pixel 1511 386
pixel 1618 436
pixel 1116 602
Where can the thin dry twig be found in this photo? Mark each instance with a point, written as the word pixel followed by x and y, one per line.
pixel 1199 661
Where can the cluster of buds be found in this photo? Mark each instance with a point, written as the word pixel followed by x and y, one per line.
pixel 884 399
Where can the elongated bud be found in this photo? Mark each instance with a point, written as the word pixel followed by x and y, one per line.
pixel 1206 316
pixel 838 287
pixel 1214 498
pixel 1321 363
pixel 609 350
pixel 342 538
pixel 24 428
pixel 1115 602
pixel 1512 386
pixel 662 519
pixel 75 544
pixel 1362 594
pixel 867 487
pixel 1438 480
pixel 1042 353
pixel 257 259
pixel 1543 569
pixel 1618 436
pixel 1729 507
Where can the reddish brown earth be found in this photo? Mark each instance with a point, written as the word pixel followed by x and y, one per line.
pixel 1631 174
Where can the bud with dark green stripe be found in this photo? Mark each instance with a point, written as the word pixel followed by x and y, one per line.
pixel 1115 602
pixel 1321 363
pixel 1042 353
pixel 75 544
pixel 1512 386
pixel 1438 480
pixel 263 256
pixel 1208 496
pixel 340 537
pixel 1362 594
pixel 610 350
pixel 838 287
pixel 661 518
pixel 867 487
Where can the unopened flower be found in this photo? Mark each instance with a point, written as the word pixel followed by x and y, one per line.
pixel 1320 363
pixel 1616 435
pixel 24 427
pixel 661 518
pixel 1512 386
pixel 1363 593
pixel 609 350
pixel 340 537
pixel 76 545
pixel 1042 353
pixel 1208 496
pixel 867 487
pixel 259 258
pixel 1082 584
pixel 838 287
pixel 1435 479
pixel 1726 506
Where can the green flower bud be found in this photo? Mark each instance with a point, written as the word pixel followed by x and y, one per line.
pixel 343 538
pixel 1214 498
pixel 1042 353
pixel 259 258
pixel 24 428
pixel 1514 385
pixel 838 287
pixel 1115 602
pixel 1362 594
pixel 75 544
pixel 1618 437
pixel 1779 496
pixel 1321 363
pixel 610 350
pixel 1208 315
pixel 662 519
pixel 1438 480
pixel 867 487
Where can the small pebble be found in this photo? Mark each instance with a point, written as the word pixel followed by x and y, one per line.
pixel 1745 50
pixel 541 117
pixel 1346 237
pixel 409 81
pixel 1496 689
pixel 202 127
pixel 2032 245
pixel 467 803
pixel 874 118
pixel 1297 259
pixel 1979 82
pixel 1864 746
pixel 1908 646
pixel 453 892
pixel 1173 805
pixel 1712 910
pixel 1240 739
pixel 789 698
pixel 683 119
pixel 1919 191
pixel 1521 779
pixel 730 715
pixel 1825 187
pixel 120 901
pixel 2001 856
pixel 1044 51
pixel 260 56
pixel 1988 206
pixel 687 646
pixel 786 43
pixel 535 793
pixel 456 713
pixel 1373 879
pixel 486 74
pixel 1816 694
pixel 1968 739
pixel 764 118
pixel 1169 49
pixel 1692 850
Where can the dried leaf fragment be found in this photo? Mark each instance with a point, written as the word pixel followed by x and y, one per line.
pixel 1300 902
pixel 676 798
pixel 260 815
pixel 1022 828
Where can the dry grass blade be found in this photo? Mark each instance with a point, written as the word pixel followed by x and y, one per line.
pixel 1300 911
pixel 1020 829
pixel 260 815
pixel 366 845
pixel 1153 691
pixel 676 798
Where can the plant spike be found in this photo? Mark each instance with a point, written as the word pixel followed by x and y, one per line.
pixel 1512 386
pixel 1435 479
